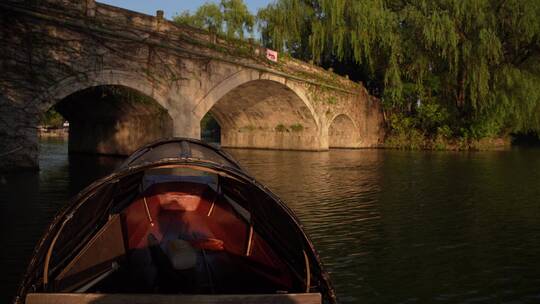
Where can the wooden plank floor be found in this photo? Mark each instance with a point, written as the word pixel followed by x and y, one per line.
pixel 89 298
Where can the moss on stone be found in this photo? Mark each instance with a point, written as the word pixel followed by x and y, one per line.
pixel 332 100
pixel 281 128
pixel 248 128
pixel 297 127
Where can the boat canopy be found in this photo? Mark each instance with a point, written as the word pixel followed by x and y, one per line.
pixel 180 149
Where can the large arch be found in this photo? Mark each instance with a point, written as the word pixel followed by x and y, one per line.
pixel 113 120
pixel 88 79
pixel 256 110
pixel 343 132
pixel 97 127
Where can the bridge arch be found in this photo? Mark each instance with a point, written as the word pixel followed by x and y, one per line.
pixel 79 82
pixel 343 132
pixel 242 77
pixel 110 112
pixel 262 111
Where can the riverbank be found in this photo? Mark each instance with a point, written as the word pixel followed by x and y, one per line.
pixel 412 140
pixel 439 143
pixel 48 132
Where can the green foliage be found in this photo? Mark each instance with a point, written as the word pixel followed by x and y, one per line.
pixel 444 132
pixel 474 63
pixel 237 18
pixel 404 134
pixel 52 119
pixel 481 128
pixel 298 127
pixel 430 117
pixel 285 25
pixel 230 18
pixel 331 100
pixel 401 124
pixel 248 128
pixel 281 128
pixel 208 16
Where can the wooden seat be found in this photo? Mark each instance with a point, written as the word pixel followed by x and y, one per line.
pixel 89 298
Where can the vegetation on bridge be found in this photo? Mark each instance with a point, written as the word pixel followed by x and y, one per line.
pixel 444 69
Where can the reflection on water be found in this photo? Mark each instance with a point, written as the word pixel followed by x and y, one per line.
pixel 416 227
pixel 29 200
pixel 391 226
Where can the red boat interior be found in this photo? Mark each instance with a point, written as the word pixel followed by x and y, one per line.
pixel 187 237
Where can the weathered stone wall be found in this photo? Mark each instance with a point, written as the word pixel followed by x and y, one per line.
pixel 55 48
pixel 279 140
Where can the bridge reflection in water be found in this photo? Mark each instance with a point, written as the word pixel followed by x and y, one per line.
pixel 391 226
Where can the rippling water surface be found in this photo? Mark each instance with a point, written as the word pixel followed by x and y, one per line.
pixel 391 226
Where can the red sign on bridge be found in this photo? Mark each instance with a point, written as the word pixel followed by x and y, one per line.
pixel 272 55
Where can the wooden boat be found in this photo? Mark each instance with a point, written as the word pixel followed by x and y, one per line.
pixel 178 222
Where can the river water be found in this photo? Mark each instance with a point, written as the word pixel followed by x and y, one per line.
pixel 391 226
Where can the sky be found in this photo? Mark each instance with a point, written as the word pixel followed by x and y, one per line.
pixel 172 7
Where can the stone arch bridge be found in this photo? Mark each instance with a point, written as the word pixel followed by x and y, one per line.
pixel 51 50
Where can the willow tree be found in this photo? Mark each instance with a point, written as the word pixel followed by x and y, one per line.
pixel 484 54
pixel 478 60
pixel 340 34
pixel 230 18
pixel 208 16
pixel 238 19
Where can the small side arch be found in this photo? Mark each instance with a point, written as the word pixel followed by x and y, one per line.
pixel 343 132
